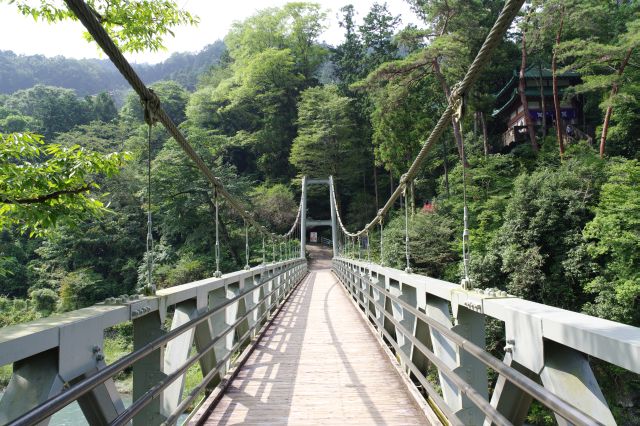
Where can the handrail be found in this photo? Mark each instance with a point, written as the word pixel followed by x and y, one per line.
pixel 54 404
pixel 142 402
pixel 544 396
pixel 471 393
pixel 173 417
pixel 541 394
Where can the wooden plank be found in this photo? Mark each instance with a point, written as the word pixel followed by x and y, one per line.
pixel 317 364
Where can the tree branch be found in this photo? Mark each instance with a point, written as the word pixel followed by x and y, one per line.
pixel 43 198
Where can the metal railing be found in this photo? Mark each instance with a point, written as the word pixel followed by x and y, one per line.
pixel 273 284
pixel 389 298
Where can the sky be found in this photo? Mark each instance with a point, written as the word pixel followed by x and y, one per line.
pixel 25 36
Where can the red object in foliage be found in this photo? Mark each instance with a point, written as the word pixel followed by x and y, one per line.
pixel 428 208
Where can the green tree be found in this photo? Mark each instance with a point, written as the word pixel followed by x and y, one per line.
pixel 55 109
pixel 172 95
pixel 273 56
pixel 98 136
pixel 79 289
pixel 104 109
pixel 45 300
pixel 275 205
pixel 613 242
pixel 296 26
pixel 377 31
pixel 133 25
pixel 16 123
pixel 602 64
pixel 349 56
pixel 543 221
pixel 42 186
pixel 430 243
pixel 324 145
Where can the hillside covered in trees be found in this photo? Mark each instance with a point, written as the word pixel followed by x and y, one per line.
pixel 93 76
pixel 554 217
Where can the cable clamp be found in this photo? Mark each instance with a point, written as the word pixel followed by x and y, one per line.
pixel 458 101
pixel 466 284
pixel 151 108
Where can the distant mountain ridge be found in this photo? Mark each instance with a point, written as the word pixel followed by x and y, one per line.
pixel 92 76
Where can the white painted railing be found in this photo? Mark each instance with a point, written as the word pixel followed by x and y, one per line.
pixel 220 315
pixel 429 321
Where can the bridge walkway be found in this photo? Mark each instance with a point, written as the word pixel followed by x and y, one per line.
pixel 318 363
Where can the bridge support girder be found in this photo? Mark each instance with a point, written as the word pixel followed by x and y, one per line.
pixel 37 378
pixel 471 326
pixel 511 401
pixel 147 371
pixel 34 380
pixel 103 403
pixel 567 372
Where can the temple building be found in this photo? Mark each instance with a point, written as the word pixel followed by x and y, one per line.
pixel 539 89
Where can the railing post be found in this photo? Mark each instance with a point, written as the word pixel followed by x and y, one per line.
pixel 176 353
pixel 148 371
pixel 407 294
pixel 471 326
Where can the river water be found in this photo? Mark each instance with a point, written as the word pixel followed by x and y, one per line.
pixel 71 415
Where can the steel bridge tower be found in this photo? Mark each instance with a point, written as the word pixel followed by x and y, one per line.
pixel 304 223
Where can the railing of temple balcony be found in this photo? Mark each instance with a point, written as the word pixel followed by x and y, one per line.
pixel 222 315
pixel 426 320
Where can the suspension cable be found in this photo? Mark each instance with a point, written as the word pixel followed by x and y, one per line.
pixel 273 247
pixel 368 249
pixel 217 273
pixel 381 251
pixel 466 281
pixel 408 269
pixel 151 285
pixel 246 246
pixel 495 36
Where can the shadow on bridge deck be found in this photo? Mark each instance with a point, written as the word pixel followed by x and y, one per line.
pixel 318 364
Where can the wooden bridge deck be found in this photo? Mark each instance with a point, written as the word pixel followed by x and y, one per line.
pixel 318 364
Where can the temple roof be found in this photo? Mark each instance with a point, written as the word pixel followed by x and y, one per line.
pixel 532 71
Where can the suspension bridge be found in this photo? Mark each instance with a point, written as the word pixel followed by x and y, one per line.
pixel 329 339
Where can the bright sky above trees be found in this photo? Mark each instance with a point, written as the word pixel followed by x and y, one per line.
pixel 24 36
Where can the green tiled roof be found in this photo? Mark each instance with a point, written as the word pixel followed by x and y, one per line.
pixel 548 91
pixel 532 71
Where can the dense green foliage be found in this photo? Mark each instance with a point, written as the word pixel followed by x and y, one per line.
pixel 278 104
pixel 133 25
pixel 36 198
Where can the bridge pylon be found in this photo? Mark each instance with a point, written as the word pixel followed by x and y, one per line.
pixel 303 214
